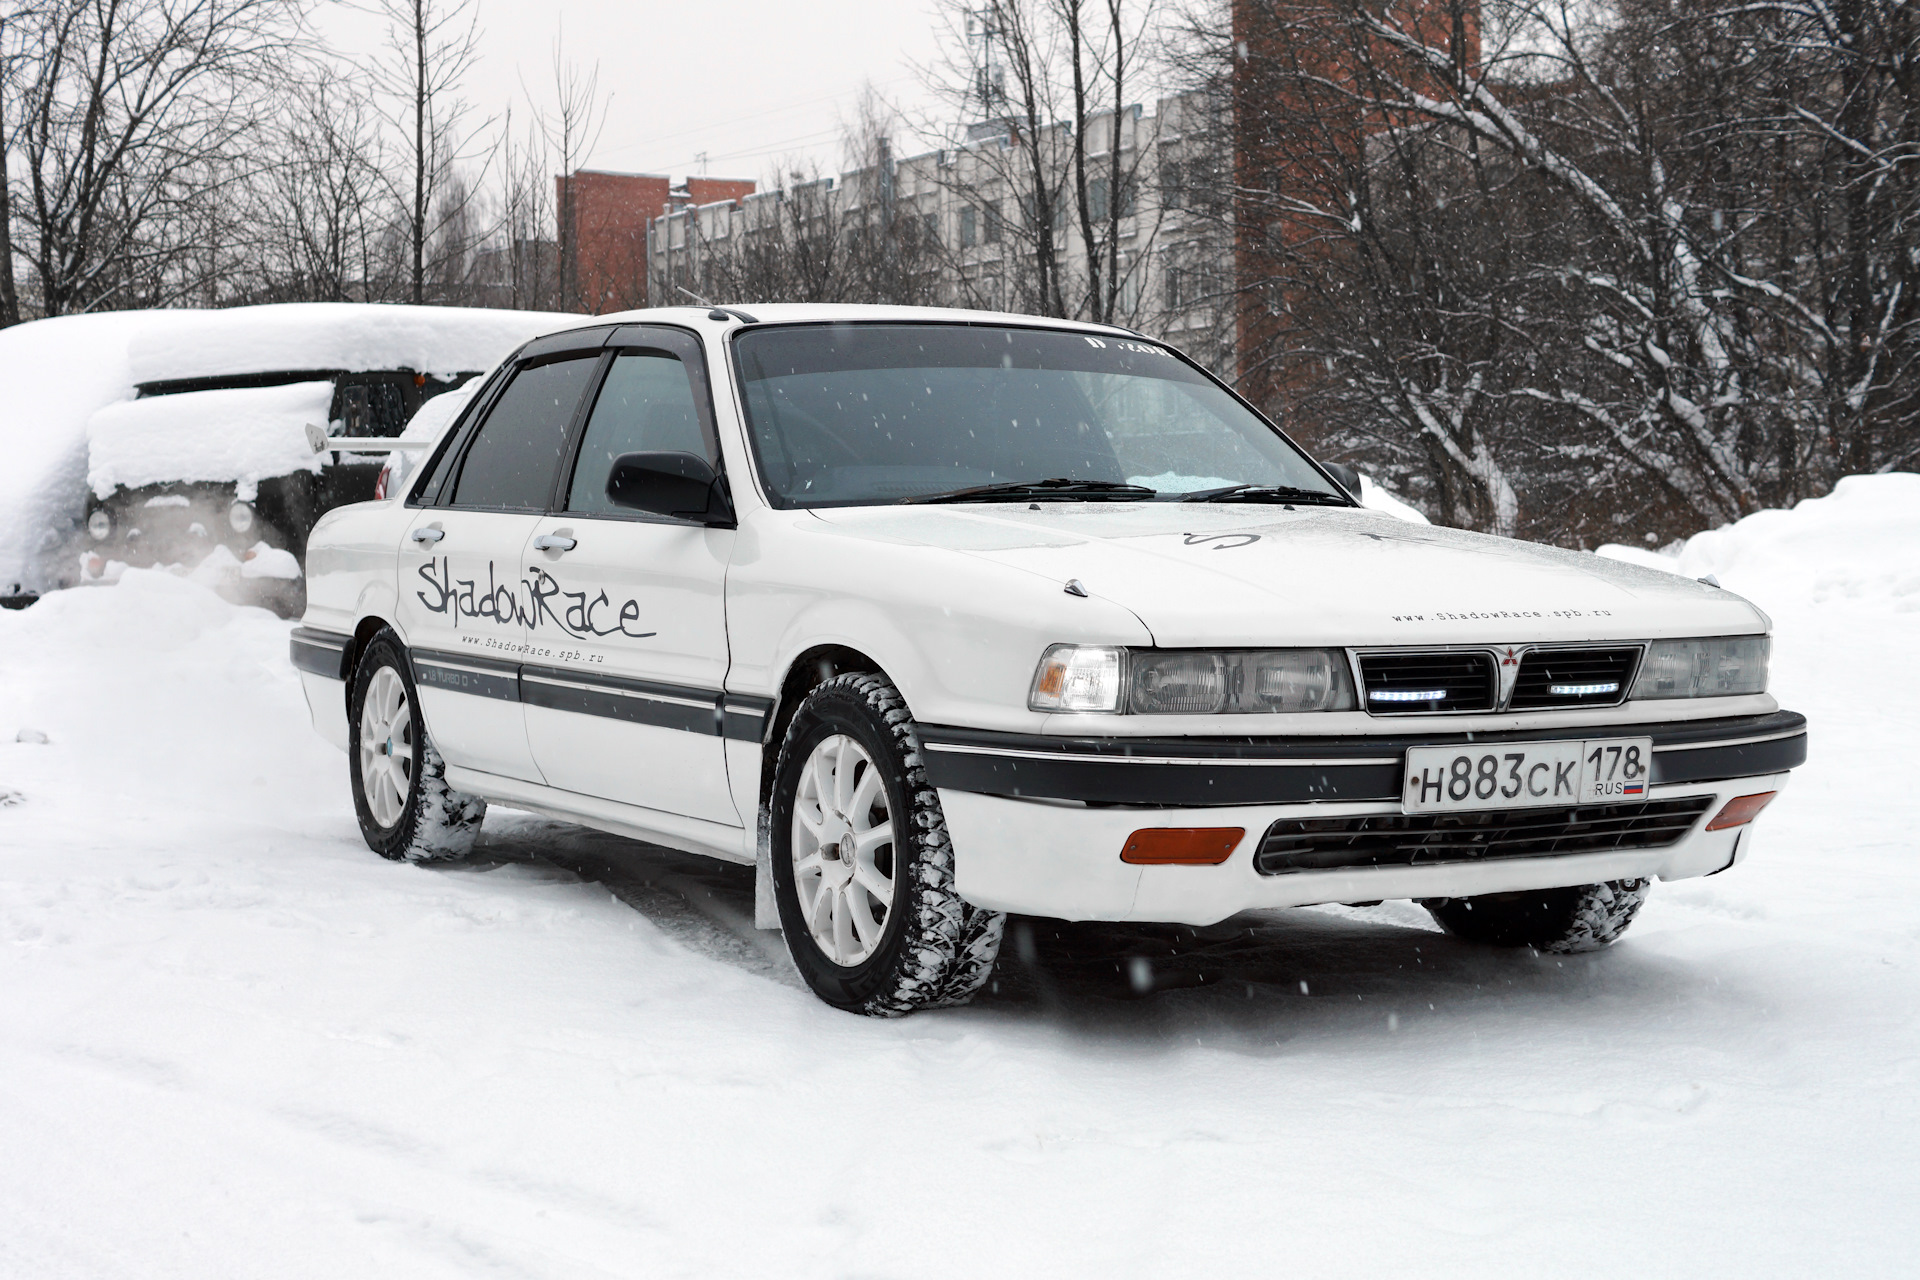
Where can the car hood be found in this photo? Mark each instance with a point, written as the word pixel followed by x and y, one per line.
pixel 1219 574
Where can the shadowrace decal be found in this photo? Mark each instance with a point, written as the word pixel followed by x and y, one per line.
pixel 530 601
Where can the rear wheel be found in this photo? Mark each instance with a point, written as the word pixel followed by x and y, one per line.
pixel 400 794
pixel 862 864
pixel 1562 921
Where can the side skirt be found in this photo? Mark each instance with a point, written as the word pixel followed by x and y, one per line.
pixel 689 835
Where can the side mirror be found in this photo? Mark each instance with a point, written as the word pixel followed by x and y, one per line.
pixel 1349 478
pixel 682 485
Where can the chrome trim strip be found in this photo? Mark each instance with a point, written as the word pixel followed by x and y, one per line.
pixel 1268 763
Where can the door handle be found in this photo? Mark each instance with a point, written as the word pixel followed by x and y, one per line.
pixel 428 535
pixel 554 542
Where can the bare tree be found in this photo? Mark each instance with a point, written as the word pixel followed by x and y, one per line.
pixel 570 134
pixel 318 212
pixel 126 116
pixel 1573 269
pixel 11 59
pixel 1042 85
pixel 431 47
pixel 527 226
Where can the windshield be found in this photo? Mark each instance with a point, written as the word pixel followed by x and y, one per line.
pixel 857 414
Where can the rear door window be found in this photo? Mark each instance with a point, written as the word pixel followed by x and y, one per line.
pixel 515 457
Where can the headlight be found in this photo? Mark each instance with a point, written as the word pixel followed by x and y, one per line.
pixel 1078 677
pixel 100 524
pixel 1191 681
pixel 1714 668
pixel 240 516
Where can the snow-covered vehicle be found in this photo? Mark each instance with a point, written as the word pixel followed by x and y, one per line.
pixel 212 456
pixel 935 616
pixel 188 430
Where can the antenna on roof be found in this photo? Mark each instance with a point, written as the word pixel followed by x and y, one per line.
pixel 705 302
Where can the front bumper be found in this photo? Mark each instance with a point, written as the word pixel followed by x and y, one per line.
pixel 1038 824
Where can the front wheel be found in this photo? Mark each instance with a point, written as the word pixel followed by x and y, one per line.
pixel 400 794
pixel 1562 921
pixel 862 864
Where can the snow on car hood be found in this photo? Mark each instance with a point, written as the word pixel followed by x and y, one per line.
pixel 1252 575
pixel 242 434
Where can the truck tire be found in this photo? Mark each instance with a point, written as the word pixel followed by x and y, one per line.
pixel 862 863
pixel 400 794
pixel 1561 921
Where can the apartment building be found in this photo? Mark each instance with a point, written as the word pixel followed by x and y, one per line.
pixel 961 227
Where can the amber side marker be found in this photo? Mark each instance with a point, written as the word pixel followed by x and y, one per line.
pixel 1181 846
pixel 1740 811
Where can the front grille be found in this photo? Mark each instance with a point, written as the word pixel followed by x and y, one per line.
pixel 1573 678
pixel 1417 683
pixel 1437 839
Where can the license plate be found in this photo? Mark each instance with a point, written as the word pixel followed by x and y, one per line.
pixel 1519 775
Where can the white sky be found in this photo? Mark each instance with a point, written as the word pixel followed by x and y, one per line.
pixel 751 83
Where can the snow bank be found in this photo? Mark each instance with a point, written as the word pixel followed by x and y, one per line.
pixel 1376 497
pixel 336 335
pixel 244 434
pixel 236 1043
pixel 1861 542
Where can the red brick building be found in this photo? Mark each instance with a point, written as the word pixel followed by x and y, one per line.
pixel 1297 134
pixel 603 221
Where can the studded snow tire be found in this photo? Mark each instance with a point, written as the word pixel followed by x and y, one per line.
pixel 933 949
pixel 433 822
pixel 1561 921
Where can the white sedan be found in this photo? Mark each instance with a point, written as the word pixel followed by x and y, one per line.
pixel 934 616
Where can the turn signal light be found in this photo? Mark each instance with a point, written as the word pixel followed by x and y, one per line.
pixel 1181 846
pixel 1741 810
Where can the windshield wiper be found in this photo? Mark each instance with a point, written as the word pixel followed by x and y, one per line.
pixel 1269 493
pixel 1059 488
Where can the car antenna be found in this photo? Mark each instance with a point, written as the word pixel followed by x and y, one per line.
pixel 705 302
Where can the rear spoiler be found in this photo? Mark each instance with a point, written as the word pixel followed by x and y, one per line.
pixel 323 443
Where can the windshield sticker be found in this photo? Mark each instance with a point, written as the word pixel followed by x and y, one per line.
pixel 1221 541
pixel 1138 348
pixel 535 599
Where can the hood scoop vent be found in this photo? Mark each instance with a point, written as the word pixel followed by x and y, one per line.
pixel 1411 683
pixel 1574 677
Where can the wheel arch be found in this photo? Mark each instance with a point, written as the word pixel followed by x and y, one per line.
pixel 809 669
pixel 363 633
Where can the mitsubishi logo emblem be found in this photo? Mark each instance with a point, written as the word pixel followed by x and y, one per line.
pixel 1510 659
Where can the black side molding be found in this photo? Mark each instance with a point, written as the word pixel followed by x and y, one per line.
pixel 736 716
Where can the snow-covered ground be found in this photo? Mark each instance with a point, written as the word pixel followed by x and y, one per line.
pixel 235 1043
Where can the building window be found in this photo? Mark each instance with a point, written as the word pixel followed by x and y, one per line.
pixel 930 227
pixel 1097 199
pixel 969 230
pixel 990 226
pixel 1029 211
pixel 1172 185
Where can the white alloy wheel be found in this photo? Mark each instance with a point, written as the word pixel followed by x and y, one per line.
pixel 843 851
pixel 386 747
